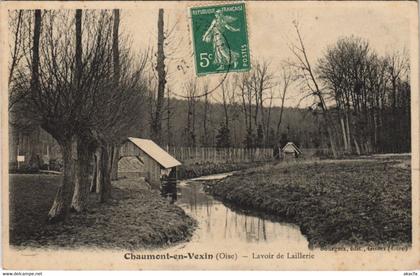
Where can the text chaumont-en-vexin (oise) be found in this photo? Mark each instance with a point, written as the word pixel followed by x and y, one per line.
pixel 184 256
pixel 219 256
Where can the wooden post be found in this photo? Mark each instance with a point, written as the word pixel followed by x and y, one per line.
pixel 227 154
pixel 196 154
pixel 17 156
pixel 48 156
pixel 237 154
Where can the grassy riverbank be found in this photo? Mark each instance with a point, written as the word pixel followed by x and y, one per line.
pixel 197 170
pixel 135 218
pixel 334 202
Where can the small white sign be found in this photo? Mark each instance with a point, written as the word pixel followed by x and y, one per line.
pixel 21 158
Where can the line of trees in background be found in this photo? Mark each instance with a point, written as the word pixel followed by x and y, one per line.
pixel 360 103
pixel 371 96
pixel 363 99
pixel 207 126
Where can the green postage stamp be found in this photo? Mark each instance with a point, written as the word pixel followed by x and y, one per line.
pixel 220 39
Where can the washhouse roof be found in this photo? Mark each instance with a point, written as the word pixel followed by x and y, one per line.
pixel 291 147
pixel 155 152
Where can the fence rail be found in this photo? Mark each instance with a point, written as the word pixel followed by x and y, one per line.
pixel 192 155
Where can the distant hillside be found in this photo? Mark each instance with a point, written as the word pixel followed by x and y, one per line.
pixel 300 125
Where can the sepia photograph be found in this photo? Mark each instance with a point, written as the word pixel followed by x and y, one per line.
pixel 241 135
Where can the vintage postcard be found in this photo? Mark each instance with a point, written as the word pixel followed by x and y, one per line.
pixel 241 135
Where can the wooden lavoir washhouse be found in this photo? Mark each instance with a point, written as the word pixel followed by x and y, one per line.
pixel 143 157
pixel 291 150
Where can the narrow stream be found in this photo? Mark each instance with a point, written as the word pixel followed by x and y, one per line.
pixel 221 227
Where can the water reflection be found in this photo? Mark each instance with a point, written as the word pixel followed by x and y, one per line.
pixel 220 224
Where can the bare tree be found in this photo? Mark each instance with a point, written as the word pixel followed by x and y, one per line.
pixel 191 92
pixel 260 81
pixel 116 109
pixel 206 116
pixel 247 96
pixel 44 101
pixel 168 118
pixel 160 68
pixel 310 82
pixel 20 44
pixel 228 89
pixel 116 66
pixel 398 66
pixel 286 79
pixel 16 47
pixel 83 154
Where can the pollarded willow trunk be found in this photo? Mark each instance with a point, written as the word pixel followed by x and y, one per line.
pixel 63 197
pixel 115 159
pixel 104 174
pixel 93 182
pixel 81 190
pixel 99 172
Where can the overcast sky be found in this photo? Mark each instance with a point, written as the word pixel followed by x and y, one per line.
pixel 385 24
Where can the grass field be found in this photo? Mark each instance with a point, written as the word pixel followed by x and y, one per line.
pixel 346 202
pixel 135 218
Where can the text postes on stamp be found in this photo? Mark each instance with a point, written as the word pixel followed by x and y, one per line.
pixel 220 38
